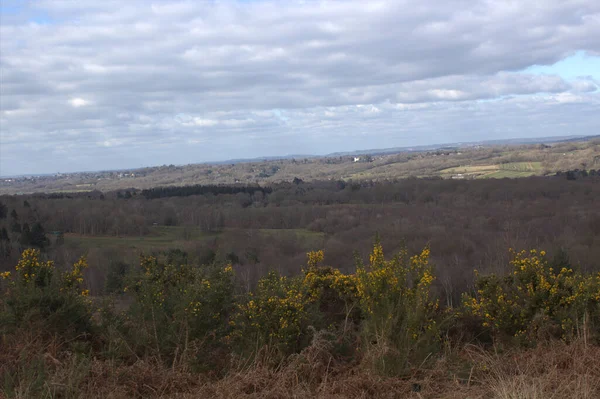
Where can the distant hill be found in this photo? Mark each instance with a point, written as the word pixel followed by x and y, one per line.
pixel 473 160
pixel 433 147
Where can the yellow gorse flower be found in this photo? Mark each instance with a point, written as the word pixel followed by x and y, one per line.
pixel 31 272
pixel 314 258
pixel 533 292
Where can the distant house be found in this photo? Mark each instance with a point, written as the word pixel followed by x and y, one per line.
pixel 356 159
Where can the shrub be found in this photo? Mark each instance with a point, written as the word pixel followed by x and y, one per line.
pixel 274 315
pixel 400 314
pixel 115 277
pixel 181 311
pixel 283 313
pixel 536 300
pixel 38 296
pixel 390 301
pixel 335 294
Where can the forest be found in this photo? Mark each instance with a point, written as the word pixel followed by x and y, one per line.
pixel 256 290
pixel 468 224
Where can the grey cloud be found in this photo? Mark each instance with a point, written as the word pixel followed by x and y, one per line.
pixel 115 76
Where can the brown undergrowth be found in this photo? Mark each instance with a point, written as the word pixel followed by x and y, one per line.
pixel 552 370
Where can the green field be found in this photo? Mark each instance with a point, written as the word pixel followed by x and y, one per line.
pixel 495 171
pixel 164 237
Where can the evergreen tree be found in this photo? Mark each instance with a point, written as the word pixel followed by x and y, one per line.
pixel 15 227
pixel 38 236
pixel 4 243
pixel 25 235
pixel 60 238
pixel 3 211
pixel 4 235
pixel 560 260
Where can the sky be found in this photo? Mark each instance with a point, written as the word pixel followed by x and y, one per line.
pixel 112 84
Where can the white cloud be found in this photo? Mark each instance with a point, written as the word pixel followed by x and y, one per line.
pixel 78 102
pixel 145 74
pixel 204 122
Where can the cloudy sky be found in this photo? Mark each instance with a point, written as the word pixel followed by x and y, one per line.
pixel 107 84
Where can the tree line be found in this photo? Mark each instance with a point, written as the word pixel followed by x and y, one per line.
pixel 186 191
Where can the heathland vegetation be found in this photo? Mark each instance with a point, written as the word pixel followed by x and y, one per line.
pixel 193 330
pixel 487 288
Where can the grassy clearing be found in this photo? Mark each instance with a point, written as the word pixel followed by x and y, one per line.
pixel 496 171
pixel 165 237
pixel 501 174
pixel 515 170
pixel 301 234
pixel 161 237
pixel 522 166
pixel 470 171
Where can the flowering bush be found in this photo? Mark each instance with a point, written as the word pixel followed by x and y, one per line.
pixel 179 310
pixel 395 296
pixel 283 312
pixel 274 314
pixel 38 293
pixel 536 299
pixel 391 300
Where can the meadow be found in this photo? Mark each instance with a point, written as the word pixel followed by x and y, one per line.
pixel 496 171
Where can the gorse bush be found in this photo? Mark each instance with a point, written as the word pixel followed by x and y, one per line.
pixel 537 300
pixel 186 317
pixel 275 314
pixel 39 296
pixel 335 293
pixel 179 310
pixel 387 302
pixel 400 312
pixel 283 312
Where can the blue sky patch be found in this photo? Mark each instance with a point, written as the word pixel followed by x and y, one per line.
pixel 580 64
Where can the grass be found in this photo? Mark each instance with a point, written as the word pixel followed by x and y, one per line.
pixel 522 166
pixel 516 169
pixel 553 371
pixel 165 237
pixel 160 238
pixel 501 174
pixel 301 234
pixel 495 171
pixel 469 172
